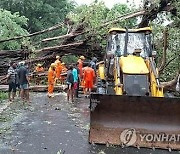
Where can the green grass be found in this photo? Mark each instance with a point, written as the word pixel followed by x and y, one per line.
pixel 3 95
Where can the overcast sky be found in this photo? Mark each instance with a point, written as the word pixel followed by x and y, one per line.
pixel 110 3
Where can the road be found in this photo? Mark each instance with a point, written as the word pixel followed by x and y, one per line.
pixel 53 126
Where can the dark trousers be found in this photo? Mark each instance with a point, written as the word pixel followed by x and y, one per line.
pixel 12 87
pixel 76 91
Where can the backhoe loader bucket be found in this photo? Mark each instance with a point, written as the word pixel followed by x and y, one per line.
pixel 135 121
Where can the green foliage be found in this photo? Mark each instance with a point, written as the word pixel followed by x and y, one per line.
pixel 69 59
pixel 3 95
pixel 173 47
pixel 176 17
pixel 11 25
pixel 96 14
pixel 41 13
pixel 173 52
pixel 119 10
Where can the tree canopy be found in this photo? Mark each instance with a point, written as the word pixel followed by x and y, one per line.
pixel 40 13
pixel 12 25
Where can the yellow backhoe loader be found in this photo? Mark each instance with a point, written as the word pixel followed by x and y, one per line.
pixel 130 107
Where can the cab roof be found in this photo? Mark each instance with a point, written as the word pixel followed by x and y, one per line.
pixel 123 30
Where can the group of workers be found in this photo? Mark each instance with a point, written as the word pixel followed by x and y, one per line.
pixel 18 79
pixel 55 75
pixel 75 75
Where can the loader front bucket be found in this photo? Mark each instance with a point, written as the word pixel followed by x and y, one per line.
pixel 135 121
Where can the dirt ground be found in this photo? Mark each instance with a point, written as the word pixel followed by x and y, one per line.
pixel 53 126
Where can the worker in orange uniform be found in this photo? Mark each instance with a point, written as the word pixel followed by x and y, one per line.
pixel 38 69
pixel 57 59
pixel 89 76
pixel 64 69
pixel 51 79
pixel 82 82
pixel 63 73
pixel 58 70
pixel 80 65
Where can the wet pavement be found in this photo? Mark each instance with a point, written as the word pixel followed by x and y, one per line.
pixel 53 126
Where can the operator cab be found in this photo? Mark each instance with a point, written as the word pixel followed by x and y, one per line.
pixel 137 39
pixel 130 47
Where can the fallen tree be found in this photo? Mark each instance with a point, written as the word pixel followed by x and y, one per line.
pixel 78 39
pixel 55 27
pixel 171 85
pixel 7 56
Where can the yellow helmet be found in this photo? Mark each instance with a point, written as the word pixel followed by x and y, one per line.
pixel 57 57
pixel 82 57
pixel 53 65
pixel 39 65
pixel 22 63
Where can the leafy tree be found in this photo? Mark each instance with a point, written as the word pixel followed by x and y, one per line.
pixel 170 21
pixel 119 10
pixel 11 25
pixel 41 13
pixel 95 15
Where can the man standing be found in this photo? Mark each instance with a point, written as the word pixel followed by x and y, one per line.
pixel 58 70
pixel 24 81
pixel 11 79
pixel 62 76
pixel 39 68
pixel 51 79
pixel 57 60
pixel 76 79
pixel 93 63
pixel 70 83
pixel 80 65
pixel 17 81
pixel 89 76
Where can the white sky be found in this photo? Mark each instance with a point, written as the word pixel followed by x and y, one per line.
pixel 110 3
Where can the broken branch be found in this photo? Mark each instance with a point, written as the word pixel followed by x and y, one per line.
pixel 163 63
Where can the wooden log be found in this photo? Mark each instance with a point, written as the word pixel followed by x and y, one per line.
pixel 163 61
pixel 62 36
pixel 53 48
pixel 14 53
pixel 3 79
pixel 57 26
pixel 152 10
pixel 170 85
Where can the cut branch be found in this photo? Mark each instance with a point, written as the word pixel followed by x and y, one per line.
pixel 46 58
pixel 62 36
pixel 163 63
pixel 60 47
pixel 13 53
pixel 152 11
pixel 124 17
pixel 34 34
pixel 170 84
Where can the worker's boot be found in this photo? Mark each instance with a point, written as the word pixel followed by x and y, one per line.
pixel 49 95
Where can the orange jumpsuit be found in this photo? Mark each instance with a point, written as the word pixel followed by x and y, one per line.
pixel 80 66
pixel 89 75
pixel 64 70
pixel 58 69
pixel 38 78
pixel 39 69
pixel 51 80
